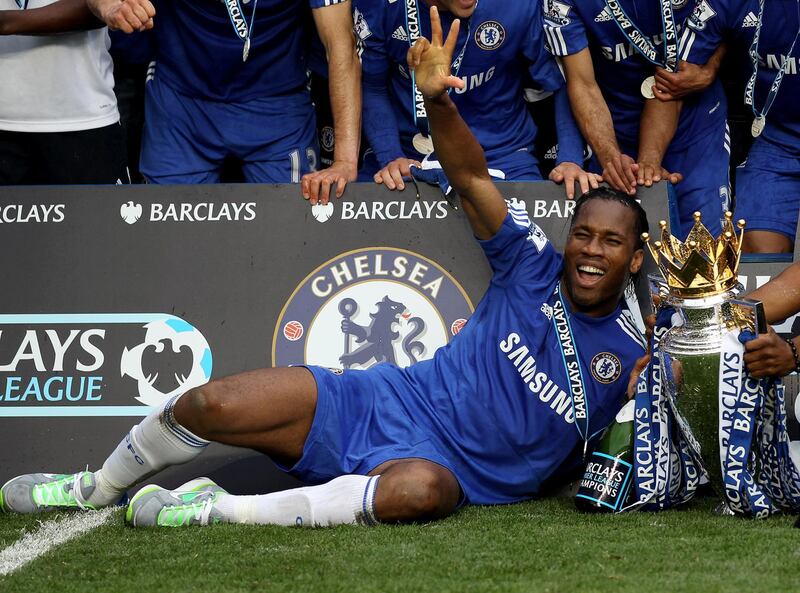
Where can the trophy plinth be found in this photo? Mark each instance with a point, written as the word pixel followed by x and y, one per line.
pixel 700 283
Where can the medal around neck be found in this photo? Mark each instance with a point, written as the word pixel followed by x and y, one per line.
pixel 423 144
pixel 700 283
pixel 647 87
pixel 246 49
pixel 758 126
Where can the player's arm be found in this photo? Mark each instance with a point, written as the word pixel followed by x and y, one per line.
pixel 594 121
pixel 657 127
pixel 380 119
pixel 460 154
pixel 569 164
pixel 689 78
pixel 781 295
pixel 60 17
pixel 335 27
pixel 126 15
pixel 769 355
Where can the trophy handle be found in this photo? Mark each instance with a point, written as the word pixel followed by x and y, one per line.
pixel 747 314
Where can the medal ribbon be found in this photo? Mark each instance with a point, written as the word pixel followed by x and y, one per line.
pixel 239 23
pixel 639 40
pixel 413 28
pixel 749 91
pixel 572 367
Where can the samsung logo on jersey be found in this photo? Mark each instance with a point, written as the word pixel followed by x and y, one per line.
pixel 539 383
pixel 23 213
pixel 475 80
pixel 395 210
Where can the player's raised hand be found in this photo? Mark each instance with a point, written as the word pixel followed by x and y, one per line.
pixel 431 60
pixel 126 15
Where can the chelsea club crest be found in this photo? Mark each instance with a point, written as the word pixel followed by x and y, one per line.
pixel 606 367
pixel 368 306
pixel 490 35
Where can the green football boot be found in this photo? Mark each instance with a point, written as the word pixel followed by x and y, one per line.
pixel 190 504
pixel 37 493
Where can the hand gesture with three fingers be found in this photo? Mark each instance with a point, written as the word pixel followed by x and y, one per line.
pixel 431 60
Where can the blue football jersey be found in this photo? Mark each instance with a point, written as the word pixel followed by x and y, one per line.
pixel 200 54
pixel 714 21
pixel 504 374
pixel 572 25
pixel 501 40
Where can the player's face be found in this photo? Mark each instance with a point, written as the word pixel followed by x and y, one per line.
pixel 461 8
pixel 599 256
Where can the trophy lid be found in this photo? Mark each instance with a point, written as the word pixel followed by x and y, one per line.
pixel 701 266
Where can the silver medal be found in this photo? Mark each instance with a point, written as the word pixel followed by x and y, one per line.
pixel 246 49
pixel 758 126
pixel 423 144
pixel 647 87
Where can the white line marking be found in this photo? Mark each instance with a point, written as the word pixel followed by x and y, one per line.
pixel 50 535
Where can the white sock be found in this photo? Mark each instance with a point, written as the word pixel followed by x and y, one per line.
pixel 155 443
pixel 346 500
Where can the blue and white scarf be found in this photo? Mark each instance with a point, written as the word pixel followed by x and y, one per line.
pixel 760 478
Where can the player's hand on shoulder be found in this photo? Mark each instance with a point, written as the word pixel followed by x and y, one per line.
pixel 571 173
pixel 316 186
pixel 124 15
pixel 768 355
pixel 431 60
pixel 688 79
pixel 620 172
pixel 650 172
pixel 392 174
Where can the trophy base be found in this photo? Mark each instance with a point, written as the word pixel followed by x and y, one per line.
pixel 723 510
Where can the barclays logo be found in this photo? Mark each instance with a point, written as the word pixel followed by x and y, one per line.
pixel 97 364
pixel 130 212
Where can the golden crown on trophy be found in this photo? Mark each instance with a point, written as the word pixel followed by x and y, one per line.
pixel 702 266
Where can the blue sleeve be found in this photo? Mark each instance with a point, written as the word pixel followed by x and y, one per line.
pixel 520 252
pixel 705 30
pixel 380 124
pixel 570 141
pixel 542 68
pixel 564 31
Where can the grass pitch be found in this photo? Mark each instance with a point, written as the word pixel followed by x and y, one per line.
pixel 536 546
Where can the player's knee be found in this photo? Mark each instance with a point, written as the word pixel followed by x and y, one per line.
pixel 422 491
pixel 201 409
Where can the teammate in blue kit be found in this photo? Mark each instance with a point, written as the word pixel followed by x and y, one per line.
pixel 500 43
pixel 230 81
pixel 608 77
pixel 768 182
pixel 538 371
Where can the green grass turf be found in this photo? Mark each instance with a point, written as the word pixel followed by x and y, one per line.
pixel 536 546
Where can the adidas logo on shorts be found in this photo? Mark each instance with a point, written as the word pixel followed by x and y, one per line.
pixel 751 20
pixel 400 34
pixel 552 153
pixel 605 15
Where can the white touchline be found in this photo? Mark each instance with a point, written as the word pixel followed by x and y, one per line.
pixel 50 535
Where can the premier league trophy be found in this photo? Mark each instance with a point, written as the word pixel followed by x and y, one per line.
pixel 700 284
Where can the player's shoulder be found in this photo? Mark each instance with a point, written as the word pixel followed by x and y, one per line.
pixel 724 13
pixel 560 13
pixel 632 338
